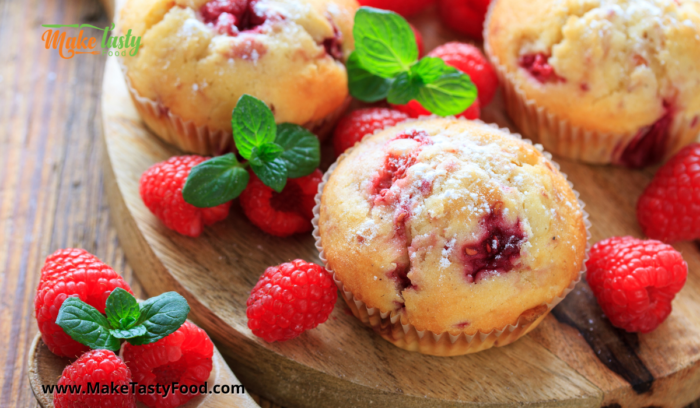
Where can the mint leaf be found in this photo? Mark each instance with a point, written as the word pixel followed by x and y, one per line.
pixel 266 152
pixel 215 181
pixel 135 331
pixel 302 150
pixel 122 309
pixel 273 174
pixel 384 42
pixel 363 85
pixel 403 89
pixel 86 325
pixel 253 124
pixel 428 69
pixel 161 316
pixel 452 93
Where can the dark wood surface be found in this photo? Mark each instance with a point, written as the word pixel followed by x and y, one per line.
pixel 51 190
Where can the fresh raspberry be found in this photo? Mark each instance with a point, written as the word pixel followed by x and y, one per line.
pixel 419 40
pixel 414 109
pixel 71 272
pixel 65 261
pixel 282 214
pixel 403 7
pixel 669 208
pixel 470 60
pixel 635 281
pixel 230 17
pixel 96 366
pixel 290 299
pixel 357 124
pixel 161 191
pixel 184 356
pixel 465 16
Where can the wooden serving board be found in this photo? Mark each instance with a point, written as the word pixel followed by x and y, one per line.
pixel 574 358
pixel 45 368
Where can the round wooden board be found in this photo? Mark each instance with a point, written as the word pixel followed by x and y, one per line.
pixel 44 369
pixel 574 358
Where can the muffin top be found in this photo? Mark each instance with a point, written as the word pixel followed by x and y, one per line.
pixel 614 66
pixel 455 225
pixel 198 57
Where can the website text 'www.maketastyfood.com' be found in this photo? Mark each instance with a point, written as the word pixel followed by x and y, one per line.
pixel 133 387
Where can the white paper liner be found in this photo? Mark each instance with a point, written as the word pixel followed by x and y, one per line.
pixel 394 327
pixel 560 137
pixel 203 140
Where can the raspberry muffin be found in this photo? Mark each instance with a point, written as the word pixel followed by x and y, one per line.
pixel 449 236
pixel 602 81
pixel 198 57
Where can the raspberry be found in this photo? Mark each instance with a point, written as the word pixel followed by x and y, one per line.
pixel 669 208
pixel 419 40
pixel 538 66
pixel 282 214
pixel 64 261
pixel 403 7
pixel 229 17
pixel 357 124
pixel 465 16
pixel 71 272
pixel 184 356
pixel 161 191
pixel 290 299
pixel 497 250
pixel 96 366
pixel 635 281
pixel 414 109
pixel 470 60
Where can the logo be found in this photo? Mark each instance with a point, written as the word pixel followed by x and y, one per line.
pixel 68 47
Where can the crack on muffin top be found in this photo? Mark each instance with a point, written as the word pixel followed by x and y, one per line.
pixel 497 250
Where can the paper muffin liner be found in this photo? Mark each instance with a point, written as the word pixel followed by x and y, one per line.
pixel 203 140
pixel 560 137
pixel 394 326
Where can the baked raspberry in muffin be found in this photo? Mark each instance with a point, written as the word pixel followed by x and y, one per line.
pixel 453 228
pixel 198 57
pixel 602 81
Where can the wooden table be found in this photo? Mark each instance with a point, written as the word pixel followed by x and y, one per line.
pixel 51 190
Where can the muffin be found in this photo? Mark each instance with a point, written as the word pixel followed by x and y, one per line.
pixel 601 81
pixel 198 57
pixel 448 236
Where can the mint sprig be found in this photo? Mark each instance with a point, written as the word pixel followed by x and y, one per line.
pixel 125 318
pixel 385 65
pixel 273 152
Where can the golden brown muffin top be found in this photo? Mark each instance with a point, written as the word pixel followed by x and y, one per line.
pixel 197 60
pixel 456 225
pixel 606 65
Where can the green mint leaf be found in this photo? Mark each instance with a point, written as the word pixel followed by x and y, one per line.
pixel 265 153
pixel 161 316
pixel 273 174
pixel 122 309
pixel 302 150
pixel 384 42
pixel 363 85
pixel 452 93
pixel 215 181
pixel 428 69
pixel 404 88
pixel 135 331
pixel 253 124
pixel 86 325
